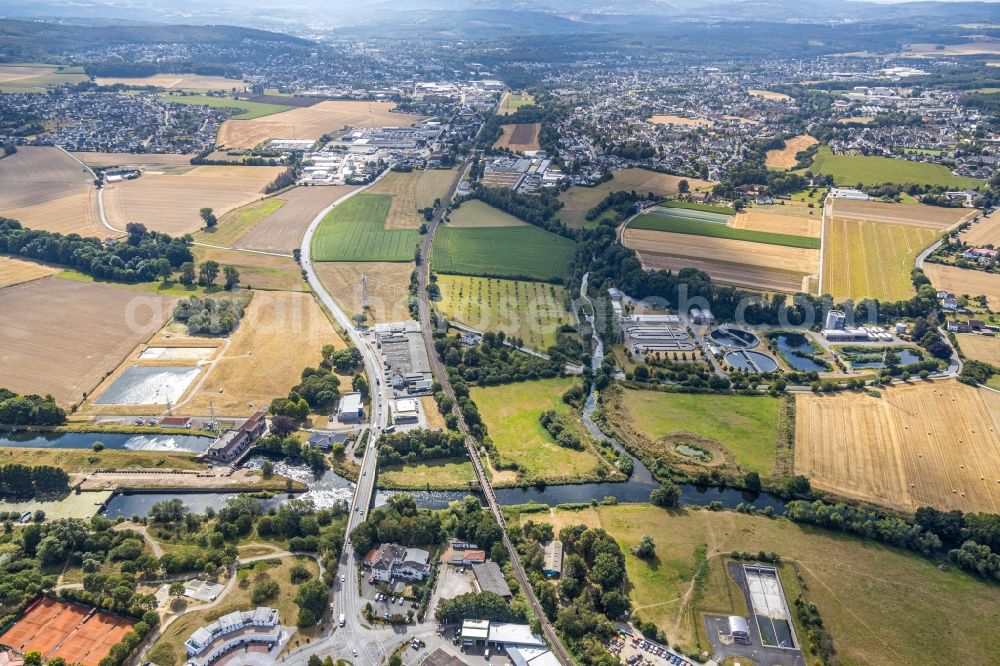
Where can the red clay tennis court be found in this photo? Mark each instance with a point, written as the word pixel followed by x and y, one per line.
pixel 71 631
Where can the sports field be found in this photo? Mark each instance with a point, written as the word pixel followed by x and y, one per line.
pixel 171 203
pixel 355 231
pixel 67 335
pixel 964 282
pixel 409 192
pixel 925 444
pixel 870 596
pixel 475 213
pixel 15 271
pixel 785 158
pixel 310 123
pixel 388 287
pixel 71 631
pixel 578 200
pixel 732 428
pixel 511 412
pixel 512 101
pixel 914 215
pixel 249 110
pixel 863 259
pixel 44 188
pixel 980 348
pixel 175 82
pixel 532 311
pixel 524 252
pixel 699 223
pixel 519 138
pixel 984 232
pixel 735 262
pixel 853 169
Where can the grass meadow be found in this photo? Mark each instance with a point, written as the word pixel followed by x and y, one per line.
pixel 251 110
pixel 355 231
pixel 697 223
pixel 853 169
pixel 523 252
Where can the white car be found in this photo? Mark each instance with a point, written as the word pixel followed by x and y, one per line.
pixel 342 578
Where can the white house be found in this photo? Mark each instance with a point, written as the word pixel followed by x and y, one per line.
pixel 391 560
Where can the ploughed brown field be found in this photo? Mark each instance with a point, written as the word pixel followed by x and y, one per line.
pixel 912 215
pixel 736 262
pixel 44 188
pixel 312 122
pixel 282 230
pixel 923 444
pixel 519 138
pixel 68 335
pixel 171 203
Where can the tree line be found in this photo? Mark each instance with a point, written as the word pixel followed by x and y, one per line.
pixel 31 481
pixel 35 410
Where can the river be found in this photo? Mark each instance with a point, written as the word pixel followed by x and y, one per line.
pixel 110 440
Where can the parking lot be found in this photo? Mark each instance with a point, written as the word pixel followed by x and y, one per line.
pixel 385 604
pixel 637 651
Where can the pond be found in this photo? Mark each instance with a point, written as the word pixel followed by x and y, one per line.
pixel 110 440
pixel 149 386
pixel 906 356
pixel 751 360
pixel 800 355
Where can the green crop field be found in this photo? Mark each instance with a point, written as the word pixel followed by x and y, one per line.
pixel 708 208
pixel 701 223
pixel 524 252
pixel 475 213
pixel 511 412
pixel 251 110
pixel 355 231
pixel 863 259
pixel 853 169
pixel 870 595
pixel 745 426
pixel 532 311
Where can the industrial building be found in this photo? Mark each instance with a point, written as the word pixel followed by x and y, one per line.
pixel 405 410
pixel 405 356
pixel 232 444
pixel 490 578
pixel 350 408
pixel 739 630
pixel 553 558
pixel 655 333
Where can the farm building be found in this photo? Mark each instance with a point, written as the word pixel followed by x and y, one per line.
pixel 848 193
pixel 350 409
pixel 553 554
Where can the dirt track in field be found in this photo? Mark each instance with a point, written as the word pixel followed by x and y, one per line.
pixel 925 444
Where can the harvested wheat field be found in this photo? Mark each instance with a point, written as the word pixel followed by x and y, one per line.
pixel 985 348
pixel 312 122
pixel 519 138
pixel 911 215
pixel 17 72
pixel 175 82
pixel 47 189
pixel 282 230
pixel 924 444
pixel 170 203
pixel 679 120
pixel 388 287
pixel 410 192
pixel 735 262
pixel 167 162
pixel 757 219
pixel 984 232
pixel 966 282
pixel 769 95
pixel 83 332
pixel 281 333
pixel 785 158
pixel 257 271
pixel 15 271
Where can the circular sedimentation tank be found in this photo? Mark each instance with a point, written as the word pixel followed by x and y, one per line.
pixel 752 361
pixel 734 338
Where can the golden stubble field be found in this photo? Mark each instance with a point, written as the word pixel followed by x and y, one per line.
pixel 923 444
pixel 176 82
pixel 410 192
pixel 736 262
pixel 170 202
pixel 519 138
pixel 785 158
pixel 168 162
pixel 774 219
pixel 44 188
pixel 312 122
pixel 388 287
pixel 963 282
pixel 679 120
pixel 282 230
pixel 984 232
pixel 985 348
pixel 68 335
pixel 15 271
pixel 913 215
